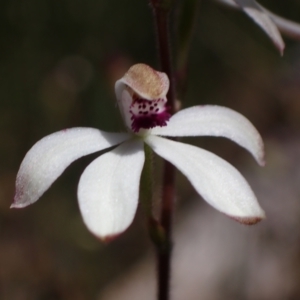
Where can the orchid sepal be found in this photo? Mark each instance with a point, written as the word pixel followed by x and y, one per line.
pixel 51 155
pixel 218 182
pixel 213 120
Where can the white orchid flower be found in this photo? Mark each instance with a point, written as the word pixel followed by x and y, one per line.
pixel 108 189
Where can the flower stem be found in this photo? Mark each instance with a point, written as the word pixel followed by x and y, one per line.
pixel 164 253
pixel 146 190
pixel 161 12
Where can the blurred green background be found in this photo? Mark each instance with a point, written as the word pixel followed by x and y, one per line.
pixel 58 64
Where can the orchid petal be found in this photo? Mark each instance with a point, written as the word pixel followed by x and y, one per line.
pixel 109 188
pixel 50 156
pixel 210 120
pixel 219 183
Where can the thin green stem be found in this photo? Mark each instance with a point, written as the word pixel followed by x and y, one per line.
pixel 146 190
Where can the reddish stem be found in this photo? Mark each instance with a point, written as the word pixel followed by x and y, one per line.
pixel 161 17
pixel 161 11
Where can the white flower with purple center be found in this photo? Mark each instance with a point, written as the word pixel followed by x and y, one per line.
pixel 108 189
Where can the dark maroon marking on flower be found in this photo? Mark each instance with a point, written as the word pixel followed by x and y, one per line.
pixel 147 114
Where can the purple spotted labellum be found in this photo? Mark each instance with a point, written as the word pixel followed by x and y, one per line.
pixel 108 189
pixel 142 98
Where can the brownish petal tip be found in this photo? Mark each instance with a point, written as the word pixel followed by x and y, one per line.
pixel 248 220
pixel 109 238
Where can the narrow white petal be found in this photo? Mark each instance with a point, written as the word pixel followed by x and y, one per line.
pixel 109 188
pixel 266 23
pixel 219 183
pixel 262 19
pixel 50 156
pixel 211 120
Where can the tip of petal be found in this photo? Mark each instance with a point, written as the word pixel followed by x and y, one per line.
pixel 262 161
pixel 109 238
pixel 18 205
pixel 281 49
pixel 19 199
pixel 248 220
pixel 260 156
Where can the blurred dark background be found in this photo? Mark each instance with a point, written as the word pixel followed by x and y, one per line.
pixel 58 64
